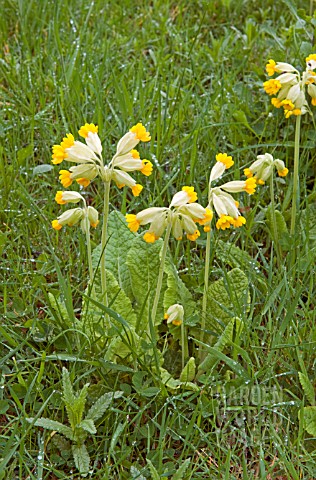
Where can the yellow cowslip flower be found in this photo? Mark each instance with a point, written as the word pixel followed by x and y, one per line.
pixel 183 214
pixel 59 151
pixel 73 216
pixel 89 162
pixel 272 86
pixel 290 86
pixel 175 314
pixel 220 199
pixel 263 168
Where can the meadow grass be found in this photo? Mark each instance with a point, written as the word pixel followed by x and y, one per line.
pixel 192 72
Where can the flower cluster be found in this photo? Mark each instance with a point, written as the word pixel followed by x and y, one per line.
pixel 220 199
pixel 289 87
pixel 73 216
pixel 89 163
pixel 182 215
pixel 263 167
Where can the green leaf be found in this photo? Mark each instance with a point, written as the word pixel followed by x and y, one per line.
pixel 143 263
pixel 88 425
pixel 122 346
pixel 81 458
pixel 68 392
pixel 179 475
pixel 307 387
pixel 52 425
pixel 153 472
pixel 102 404
pixel 310 420
pixel 188 373
pixel 225 339
pixel 120 240
pixel 24 153
pixel 227 298
pixel 235 257
pixel 282 233
pixel 59 306
pixel 39 169
pixel 117 301
pixel 80 403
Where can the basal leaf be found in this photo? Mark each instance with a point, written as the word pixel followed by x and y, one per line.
pixel 179 475
pixel 81 458
pixel 307 387
pixel 282 233
pixel 310 420
pixel 120 239
pixel 226 298
pixel 188 373
pixel 234 256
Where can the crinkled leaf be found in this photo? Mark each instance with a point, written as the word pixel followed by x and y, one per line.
pixel 188 373
pixel 235 257
pixel 88 425
pixel 226 298
pixel 102 404
pixel 307 387
pixel 120 239
pixel 153 472
pixel 59 306
pixel 143 262
pixel 117 301
pixel 135 474
pixel 52 425
pixel 282 233
pixel 310 420
pixel 121 346
pixel 81 458
pixel 179 475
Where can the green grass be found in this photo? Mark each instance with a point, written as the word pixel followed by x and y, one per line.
pixel 192 72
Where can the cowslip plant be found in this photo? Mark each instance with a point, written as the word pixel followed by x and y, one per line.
pixel 90 164
pixel 226 207
pixel 290 90
pixel 80 426
pixel 181 216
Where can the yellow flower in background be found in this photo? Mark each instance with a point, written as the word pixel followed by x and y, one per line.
pixel 290 86
pixel 263 168
pixel 182 214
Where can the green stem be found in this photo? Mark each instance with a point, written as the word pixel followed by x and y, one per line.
pixel 295 196
pixel 184 341
pixel 160 274
pixel 91 274
pixel 273 218
pixel 206 279
pixel 103 240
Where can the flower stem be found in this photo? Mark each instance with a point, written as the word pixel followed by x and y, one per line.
pixel 273 221
pixel 184 341
pixel 295 196
pixel 91 274
pixel 103 241
pixel 160 274
pixel 206 278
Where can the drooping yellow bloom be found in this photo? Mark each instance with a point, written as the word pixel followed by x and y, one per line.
pixel 225 221
pixel 147 167
pixel 194 236
pixel 175 314
pixel 65 179
pixel 250 186
pixel 263 168
pixel 88 127
pixel 271 67
pixel 59 151
pixel 137 189
pixel 191 194
pixel 56 225
pixel 84 182
pixel 140 131
pixel 133 223
pixel 150 237
pixel 283 172
pixel 272 86
pixel 248 173
pixel 227 160
pixel 59 198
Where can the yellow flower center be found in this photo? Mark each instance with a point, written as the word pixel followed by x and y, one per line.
pixel 276 102
pixel 84 182
pixel 59 153
pixel 140 132
pixel 59 198
pixel 56 225
pixel 137 189
pixel 225 221
pixel 287 104
pixel 150 237
pixel 239 221
pixel 314 102
pixel 147 167
pixel 248 173
pixel 312 56
pixel 132 222
pixel 134 153
pixel 194 235
pixel 250 185
pixel 191 193
pixel 95 224
pixel 227 160
pixel 65 178
pixel 271 67
pixel 272 87
pixel 283 172
pixel 88 127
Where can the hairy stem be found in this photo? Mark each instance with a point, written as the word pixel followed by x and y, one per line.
pixel 103 240
pixel 206 279
pixel 295 196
